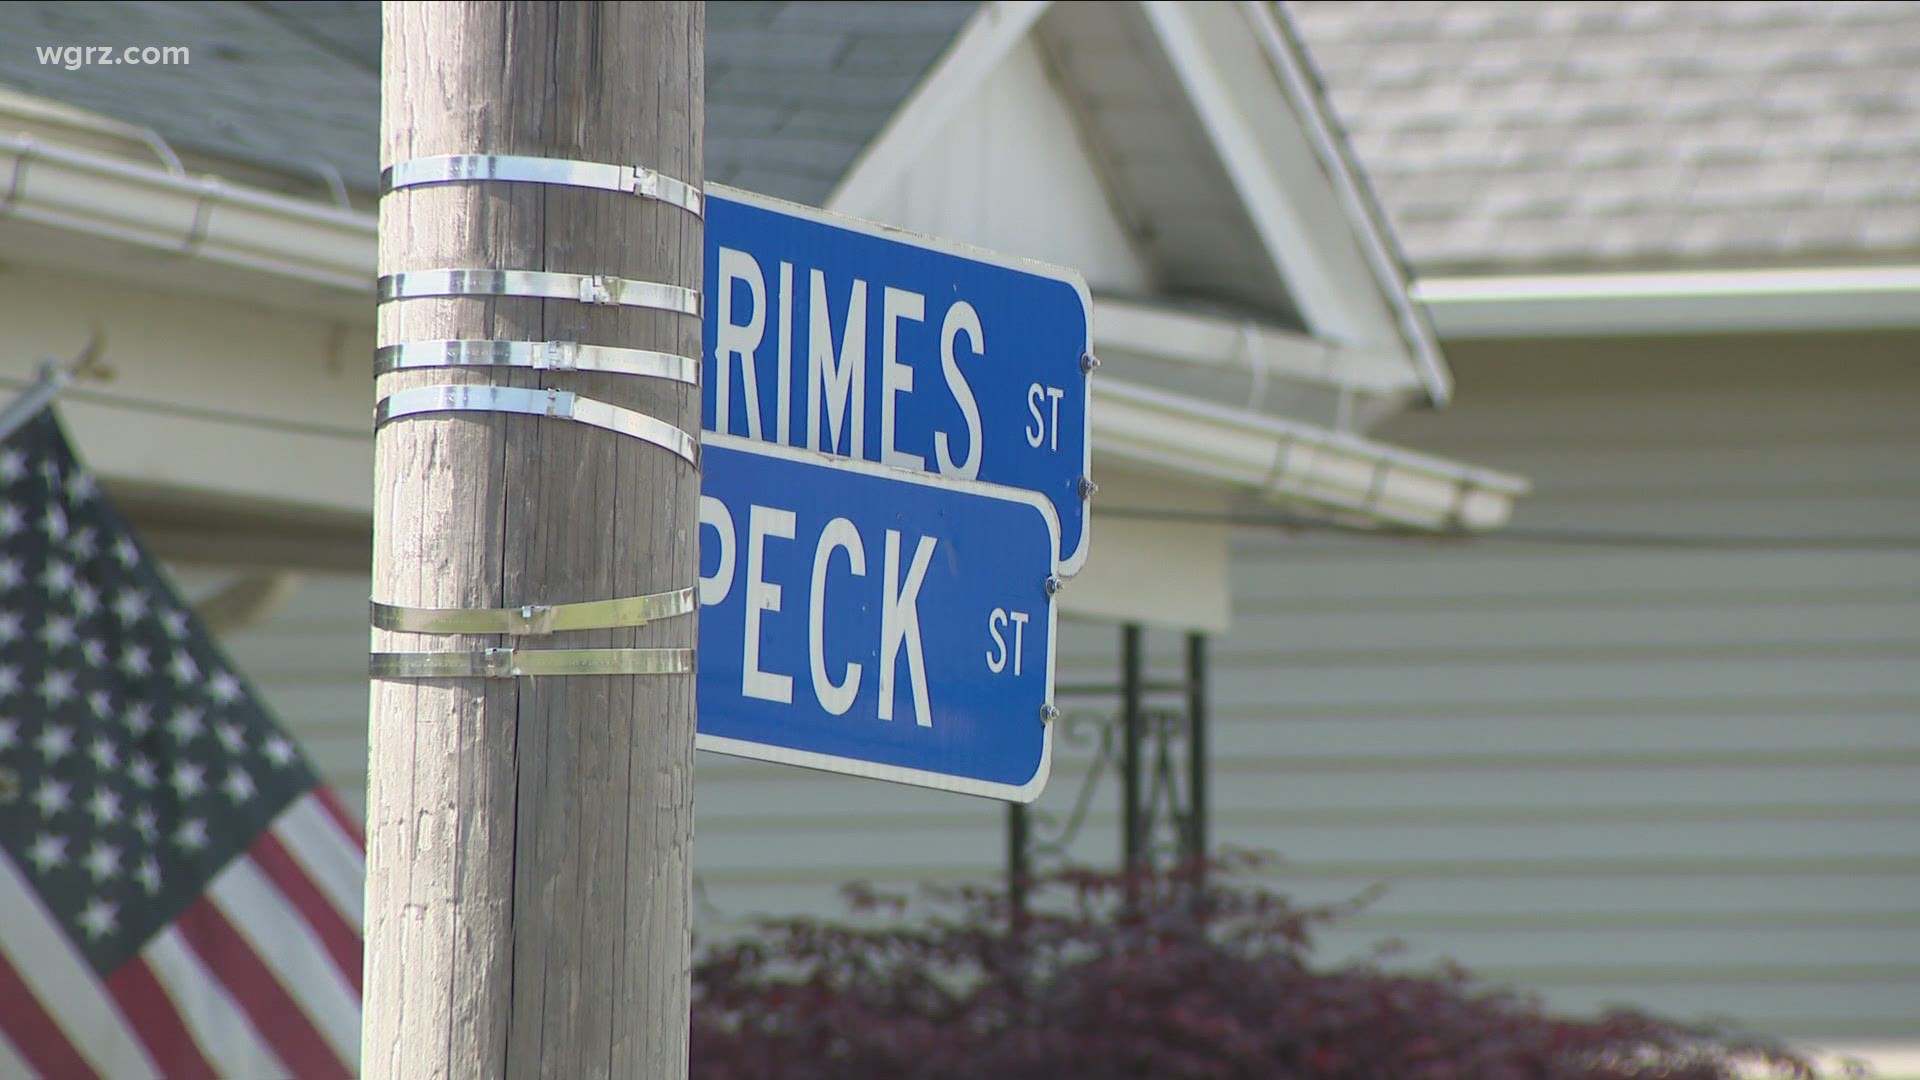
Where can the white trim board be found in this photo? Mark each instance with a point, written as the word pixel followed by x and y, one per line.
pixel 1674 302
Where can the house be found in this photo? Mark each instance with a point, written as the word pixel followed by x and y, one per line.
pixel 1658 741
pixel 1614 772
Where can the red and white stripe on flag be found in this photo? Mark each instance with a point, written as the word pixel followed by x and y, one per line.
pixel 259 977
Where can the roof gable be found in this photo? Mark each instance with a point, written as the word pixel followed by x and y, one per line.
pixel 1180 145
pixel 1007 170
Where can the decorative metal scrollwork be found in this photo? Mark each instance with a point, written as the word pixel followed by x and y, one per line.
pixel 1156 753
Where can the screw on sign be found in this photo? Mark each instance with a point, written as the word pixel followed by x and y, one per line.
pixel 856 340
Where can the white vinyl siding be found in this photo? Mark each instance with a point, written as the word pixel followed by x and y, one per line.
pixel 1685 779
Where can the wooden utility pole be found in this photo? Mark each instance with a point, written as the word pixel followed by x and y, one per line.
pixel 529 838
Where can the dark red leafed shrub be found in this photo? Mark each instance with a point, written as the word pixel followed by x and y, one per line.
pixel 1183 980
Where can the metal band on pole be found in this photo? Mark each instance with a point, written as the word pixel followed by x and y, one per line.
pixel 511 663
pixel 538 355
pixel 559 404
pixel 535 619
pixel 514 168
pixel 598 289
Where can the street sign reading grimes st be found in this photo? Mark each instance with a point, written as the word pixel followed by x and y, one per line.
pixel 866 342
pixel 866 620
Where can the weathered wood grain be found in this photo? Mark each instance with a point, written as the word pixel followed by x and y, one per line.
pixel 529 840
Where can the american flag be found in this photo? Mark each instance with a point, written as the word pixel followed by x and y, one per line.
pixel 179 896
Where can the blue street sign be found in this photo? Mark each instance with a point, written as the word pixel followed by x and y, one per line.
pixel 852 339
pixel 876 622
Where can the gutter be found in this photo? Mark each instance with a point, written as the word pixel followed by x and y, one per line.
pixel 1261 353
pixel 204 218
pixel 1292 462
pixel 1675 302
pixel 196 217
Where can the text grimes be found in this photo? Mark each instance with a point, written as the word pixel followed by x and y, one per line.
pixel 867 343
pixel 836 325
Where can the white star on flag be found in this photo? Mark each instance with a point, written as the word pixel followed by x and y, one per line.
pixel 102 861
pixel 146 823
pixel 52 797
pixel 185 671
pixel 191 835
pixel 48 851
pixel 57 687
pixel 104 806
pixel 224 687
pixel 185 724
pixel 104 754
pixel 149 874
pixel 57 578
pixel 278 750
pixel 130 605
pixel 203 906
pixel 58 632
pixel 55 742
pixel 98 918
pixel 238 785
pixel 188 779
pixel 232 736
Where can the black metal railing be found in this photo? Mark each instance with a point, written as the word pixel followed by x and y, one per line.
pixel 1153 735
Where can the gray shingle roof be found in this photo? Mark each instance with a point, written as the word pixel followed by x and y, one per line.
pixel 255 89
pixel 794 90
pixel 1603 134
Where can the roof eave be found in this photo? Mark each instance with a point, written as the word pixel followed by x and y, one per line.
pixel 1619 304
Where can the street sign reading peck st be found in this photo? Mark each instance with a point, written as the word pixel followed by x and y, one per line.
pixel 841 336
pixel 871 621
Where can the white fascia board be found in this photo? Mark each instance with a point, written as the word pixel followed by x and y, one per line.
pixel 1675 302
pixel 1308 208
pixel 982 43
pixel 1263 351
pixel 1240 143
pixel 1368 219
pixel 195 217
pixel 1293 462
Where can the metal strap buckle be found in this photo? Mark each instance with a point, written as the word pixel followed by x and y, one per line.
pixel 515 663
pixel 635 180
pixel 538 355
pixel 596 289
pixel 536 619
pixel 559 404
